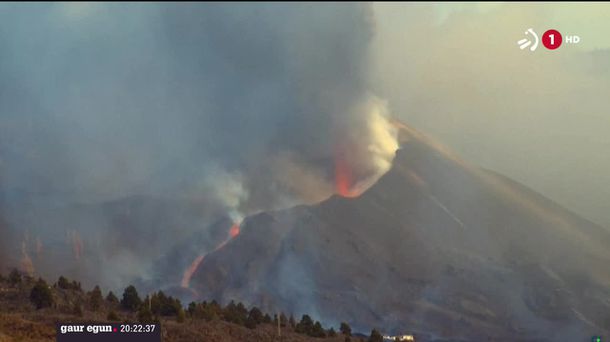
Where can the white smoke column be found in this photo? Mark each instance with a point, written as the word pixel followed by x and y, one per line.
pixel 368 148
pixel 383 141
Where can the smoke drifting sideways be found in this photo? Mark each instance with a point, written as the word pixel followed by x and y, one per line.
pixel 237 107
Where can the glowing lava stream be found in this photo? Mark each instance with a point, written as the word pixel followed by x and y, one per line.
pixel 188 273
pixel 343 178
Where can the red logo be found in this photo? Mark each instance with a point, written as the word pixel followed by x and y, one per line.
pixel 551 39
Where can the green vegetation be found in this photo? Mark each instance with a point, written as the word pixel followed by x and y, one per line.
pixel 345 329
pixel 375 336
pixel 112 316
pixel 14 278
pixel 41 295
pixel 95 298
pixel 112 298
pixel 131 300
pixel 65 284
pixel 66 297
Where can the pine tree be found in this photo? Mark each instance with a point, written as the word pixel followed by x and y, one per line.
pixel 112 298
pixel 256 315
pixel 345 329
pixel 305 326
pixel 317 330
pixel 131 301
pixel 375 336
pixel 95 298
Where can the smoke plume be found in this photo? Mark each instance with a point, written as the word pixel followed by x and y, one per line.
pixel 242 107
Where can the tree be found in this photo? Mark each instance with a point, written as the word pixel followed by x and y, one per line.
pixel 145 315
pixel 180 317
pixel 267 319
pixel 317 330
pixel 95 298
pixel 332 332
pixel 375 336
pixel 131 301
pixel 235 313
pixel 14 278
pixel 283 320
pixel 305 326
pixel 76 286
pixel 291 321
pixel 250 323
pixel 111 297
pixel 63 283
pixel 192 309
pixel 345 329
pixel 41 295
pixel 256 315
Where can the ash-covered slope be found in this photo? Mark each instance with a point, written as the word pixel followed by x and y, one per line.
pixel 436 246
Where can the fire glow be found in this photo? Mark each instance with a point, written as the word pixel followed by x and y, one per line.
pixel 344 179
pixel 188 273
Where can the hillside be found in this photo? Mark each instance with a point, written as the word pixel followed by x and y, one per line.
pixel 436 246
pixel 21 321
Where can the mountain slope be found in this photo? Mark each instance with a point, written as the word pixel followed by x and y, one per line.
pixel 435 246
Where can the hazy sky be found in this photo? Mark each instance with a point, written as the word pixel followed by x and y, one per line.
pixel 542 118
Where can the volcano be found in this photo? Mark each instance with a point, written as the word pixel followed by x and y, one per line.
pixel 437 247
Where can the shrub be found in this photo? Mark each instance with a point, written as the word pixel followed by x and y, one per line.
pixel 112 316
pixel 14 278
pixel 145 315
pixel 77 310
pixel 250 323
pixel 41 295
pixel 181 316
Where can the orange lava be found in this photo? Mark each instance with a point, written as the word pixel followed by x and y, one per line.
pixel 234 231
pixel 343 178
pixel 188 273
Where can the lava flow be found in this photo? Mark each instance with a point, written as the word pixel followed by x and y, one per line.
pixel 188 273
pixel 234 231
pixel 343 178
